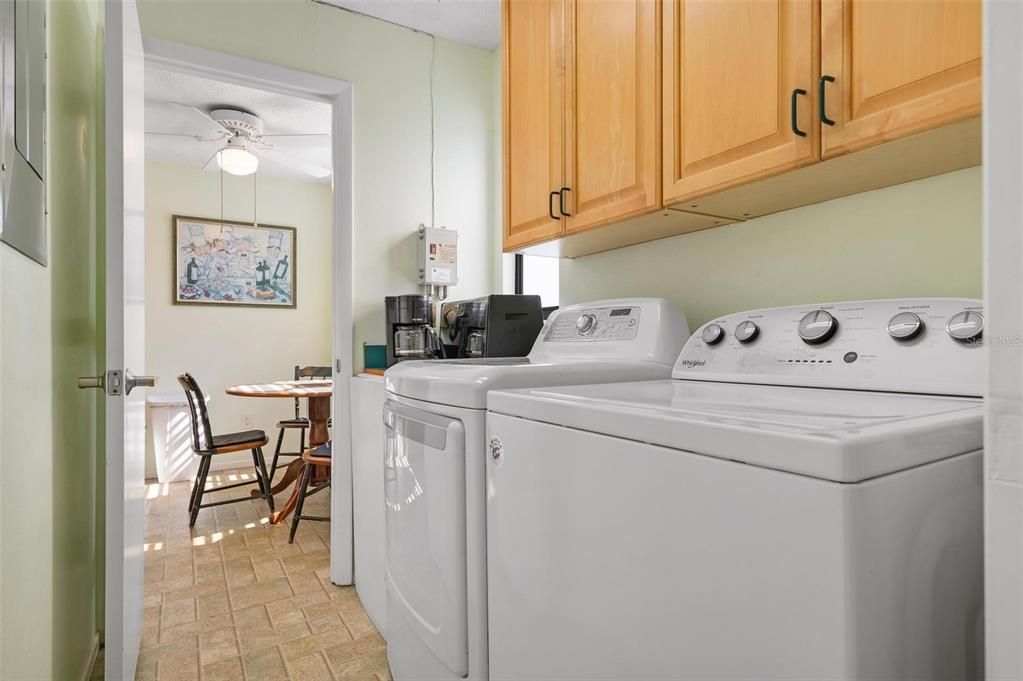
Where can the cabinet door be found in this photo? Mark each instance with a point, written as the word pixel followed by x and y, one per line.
pixel 899 68
pixel 533 116
pixel 612 143
pixel 730 71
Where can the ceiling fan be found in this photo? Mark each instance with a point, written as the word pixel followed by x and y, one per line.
pixel 244 142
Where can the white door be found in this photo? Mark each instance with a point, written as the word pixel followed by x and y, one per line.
pixel 125 336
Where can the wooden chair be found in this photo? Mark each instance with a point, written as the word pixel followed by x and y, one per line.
pixel 299 422
pixel 206 445
pixel 314 457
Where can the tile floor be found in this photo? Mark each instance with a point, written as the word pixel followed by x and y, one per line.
pixel 232 600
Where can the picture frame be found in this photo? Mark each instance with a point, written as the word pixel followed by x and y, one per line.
pixel 236 264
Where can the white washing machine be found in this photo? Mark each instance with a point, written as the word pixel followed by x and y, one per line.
pixel 434 470
pixel 803 500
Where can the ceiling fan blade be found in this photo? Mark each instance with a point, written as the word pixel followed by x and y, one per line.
pixel 296 163
pixel 297 141
pixel 172 134
pixel 212 163
pixel 204 125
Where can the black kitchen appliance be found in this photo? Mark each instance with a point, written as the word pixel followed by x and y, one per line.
pixel 410 333
pixel 492 326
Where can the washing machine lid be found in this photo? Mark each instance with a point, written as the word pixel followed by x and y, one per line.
pixel 840 435
pixel 466 382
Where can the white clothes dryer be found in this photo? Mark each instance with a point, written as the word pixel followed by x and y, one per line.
pixel 434 468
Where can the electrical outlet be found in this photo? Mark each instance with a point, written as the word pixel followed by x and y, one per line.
pixel 247 421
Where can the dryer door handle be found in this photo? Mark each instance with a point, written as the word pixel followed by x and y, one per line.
pixel 417 425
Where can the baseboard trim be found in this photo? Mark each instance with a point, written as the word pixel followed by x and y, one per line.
pixel 93 655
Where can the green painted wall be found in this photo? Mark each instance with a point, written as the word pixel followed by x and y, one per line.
pixel 921 238
pixel 49 336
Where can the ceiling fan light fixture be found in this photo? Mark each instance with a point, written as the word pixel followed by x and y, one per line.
pixel 237 160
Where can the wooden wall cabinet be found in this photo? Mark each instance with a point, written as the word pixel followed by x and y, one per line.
pixel 899 68
pixel 582 123
pixel 628 120
pixel 739 92
pixel 612 116
pixel 533 117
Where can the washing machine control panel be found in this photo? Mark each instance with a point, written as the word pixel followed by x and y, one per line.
pixel 595 324
pixel 923 345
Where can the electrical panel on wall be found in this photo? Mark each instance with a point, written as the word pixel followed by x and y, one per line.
pixel 23 126
pixel 437 256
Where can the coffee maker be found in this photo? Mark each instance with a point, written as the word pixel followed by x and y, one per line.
pixel 410 333
pixel 492 326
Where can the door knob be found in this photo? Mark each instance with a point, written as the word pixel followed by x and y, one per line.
pixel 113 383
pixel 90 382
pixel 131 381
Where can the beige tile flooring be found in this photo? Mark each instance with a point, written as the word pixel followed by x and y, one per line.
pixel 232 600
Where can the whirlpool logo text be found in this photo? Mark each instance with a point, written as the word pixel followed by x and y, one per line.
pixel 693 363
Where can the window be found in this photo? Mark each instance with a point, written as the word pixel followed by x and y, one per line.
pixel 537 275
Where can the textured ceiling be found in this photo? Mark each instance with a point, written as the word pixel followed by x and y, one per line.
pixel 475 22
pixel 280 114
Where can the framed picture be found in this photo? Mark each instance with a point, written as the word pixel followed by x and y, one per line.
pixel 219 262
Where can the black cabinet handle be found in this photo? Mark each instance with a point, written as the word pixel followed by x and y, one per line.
pixel 821 96
pixel 550 205
pixel 561 201
pixel 795 113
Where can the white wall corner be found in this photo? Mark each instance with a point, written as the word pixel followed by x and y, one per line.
pixel 1003 292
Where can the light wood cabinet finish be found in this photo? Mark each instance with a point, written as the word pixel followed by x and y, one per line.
pixel 635 105
pixel 533 118
pixel 729 72
pixel 900 68
pixel 941 150
pixel 612 142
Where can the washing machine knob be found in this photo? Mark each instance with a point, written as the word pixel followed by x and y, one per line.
pixel 965 326
pixel 817 327
pixel 905 326
pixel 746 332
pixel 712 334
pixel 585 324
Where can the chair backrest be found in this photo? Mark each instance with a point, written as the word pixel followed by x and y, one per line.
pixel 202 434
pixel 310 373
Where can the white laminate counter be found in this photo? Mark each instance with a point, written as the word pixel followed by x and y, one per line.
pixel 368 495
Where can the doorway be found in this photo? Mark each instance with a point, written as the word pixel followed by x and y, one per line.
pixel 288 614
pixel 186 60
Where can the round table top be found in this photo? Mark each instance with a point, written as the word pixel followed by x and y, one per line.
pixel 283 389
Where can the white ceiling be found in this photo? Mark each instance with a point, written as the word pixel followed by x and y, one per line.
pixel 476 22
pixel 280 114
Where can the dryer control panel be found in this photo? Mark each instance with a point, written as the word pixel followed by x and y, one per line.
pixel 920 345
pixel 623 329
pixel 596 324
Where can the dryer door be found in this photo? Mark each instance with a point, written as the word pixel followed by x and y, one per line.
pixel 424 490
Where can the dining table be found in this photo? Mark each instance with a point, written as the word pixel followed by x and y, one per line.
pixel 317 393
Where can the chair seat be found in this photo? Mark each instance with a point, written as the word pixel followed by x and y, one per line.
pixel 319 456
pixel 301 422
pixel 233 442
